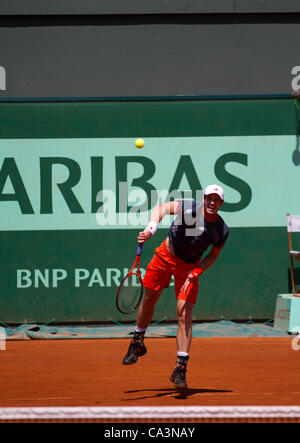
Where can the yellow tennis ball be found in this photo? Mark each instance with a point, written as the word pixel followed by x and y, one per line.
pixel 139 143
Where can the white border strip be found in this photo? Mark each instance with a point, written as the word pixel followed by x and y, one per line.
pixel 40 413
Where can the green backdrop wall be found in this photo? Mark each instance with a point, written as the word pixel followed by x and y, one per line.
pixel 61 258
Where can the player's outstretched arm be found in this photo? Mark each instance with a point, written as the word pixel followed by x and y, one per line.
pixel 158 213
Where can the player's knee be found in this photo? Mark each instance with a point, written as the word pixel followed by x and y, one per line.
pixel 151 296
pixel 184 311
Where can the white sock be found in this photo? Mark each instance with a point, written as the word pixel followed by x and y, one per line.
pixel 182 354
pixel 137 329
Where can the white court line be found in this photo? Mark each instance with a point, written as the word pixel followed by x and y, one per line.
pixel 127 412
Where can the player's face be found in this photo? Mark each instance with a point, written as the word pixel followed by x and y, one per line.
pixel 212 204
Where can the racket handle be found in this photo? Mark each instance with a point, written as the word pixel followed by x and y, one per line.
pixel 139 249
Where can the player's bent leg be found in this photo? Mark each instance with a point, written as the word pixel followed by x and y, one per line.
pixel 184 332
pixel 137 348
pixel 146 310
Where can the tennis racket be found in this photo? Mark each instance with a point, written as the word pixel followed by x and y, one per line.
pixel 130 292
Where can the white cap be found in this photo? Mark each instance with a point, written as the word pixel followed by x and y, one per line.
pixel 214 189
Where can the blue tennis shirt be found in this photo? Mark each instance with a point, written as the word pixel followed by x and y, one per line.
pixel 190 235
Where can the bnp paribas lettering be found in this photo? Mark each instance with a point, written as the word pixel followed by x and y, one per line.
pixel 137 171
pixel 76 278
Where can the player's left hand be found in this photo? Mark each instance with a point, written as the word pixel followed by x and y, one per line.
pixel 190 279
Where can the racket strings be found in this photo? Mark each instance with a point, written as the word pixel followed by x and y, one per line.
pixel 130 293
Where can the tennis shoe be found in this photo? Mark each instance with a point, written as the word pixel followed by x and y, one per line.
pixel 178 377
pixel 136 349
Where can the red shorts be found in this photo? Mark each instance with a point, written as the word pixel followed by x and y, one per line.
pixel 161 268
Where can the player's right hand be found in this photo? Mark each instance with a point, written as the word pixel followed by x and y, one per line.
pixel 144 236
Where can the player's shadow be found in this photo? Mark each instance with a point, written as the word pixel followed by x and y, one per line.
pixel 180 394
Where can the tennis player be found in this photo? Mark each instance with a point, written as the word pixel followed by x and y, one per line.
pixel 196 227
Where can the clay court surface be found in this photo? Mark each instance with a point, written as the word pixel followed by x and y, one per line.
pixel 221 371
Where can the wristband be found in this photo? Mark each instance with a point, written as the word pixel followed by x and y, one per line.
pixel 197 272
pixel 152 227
